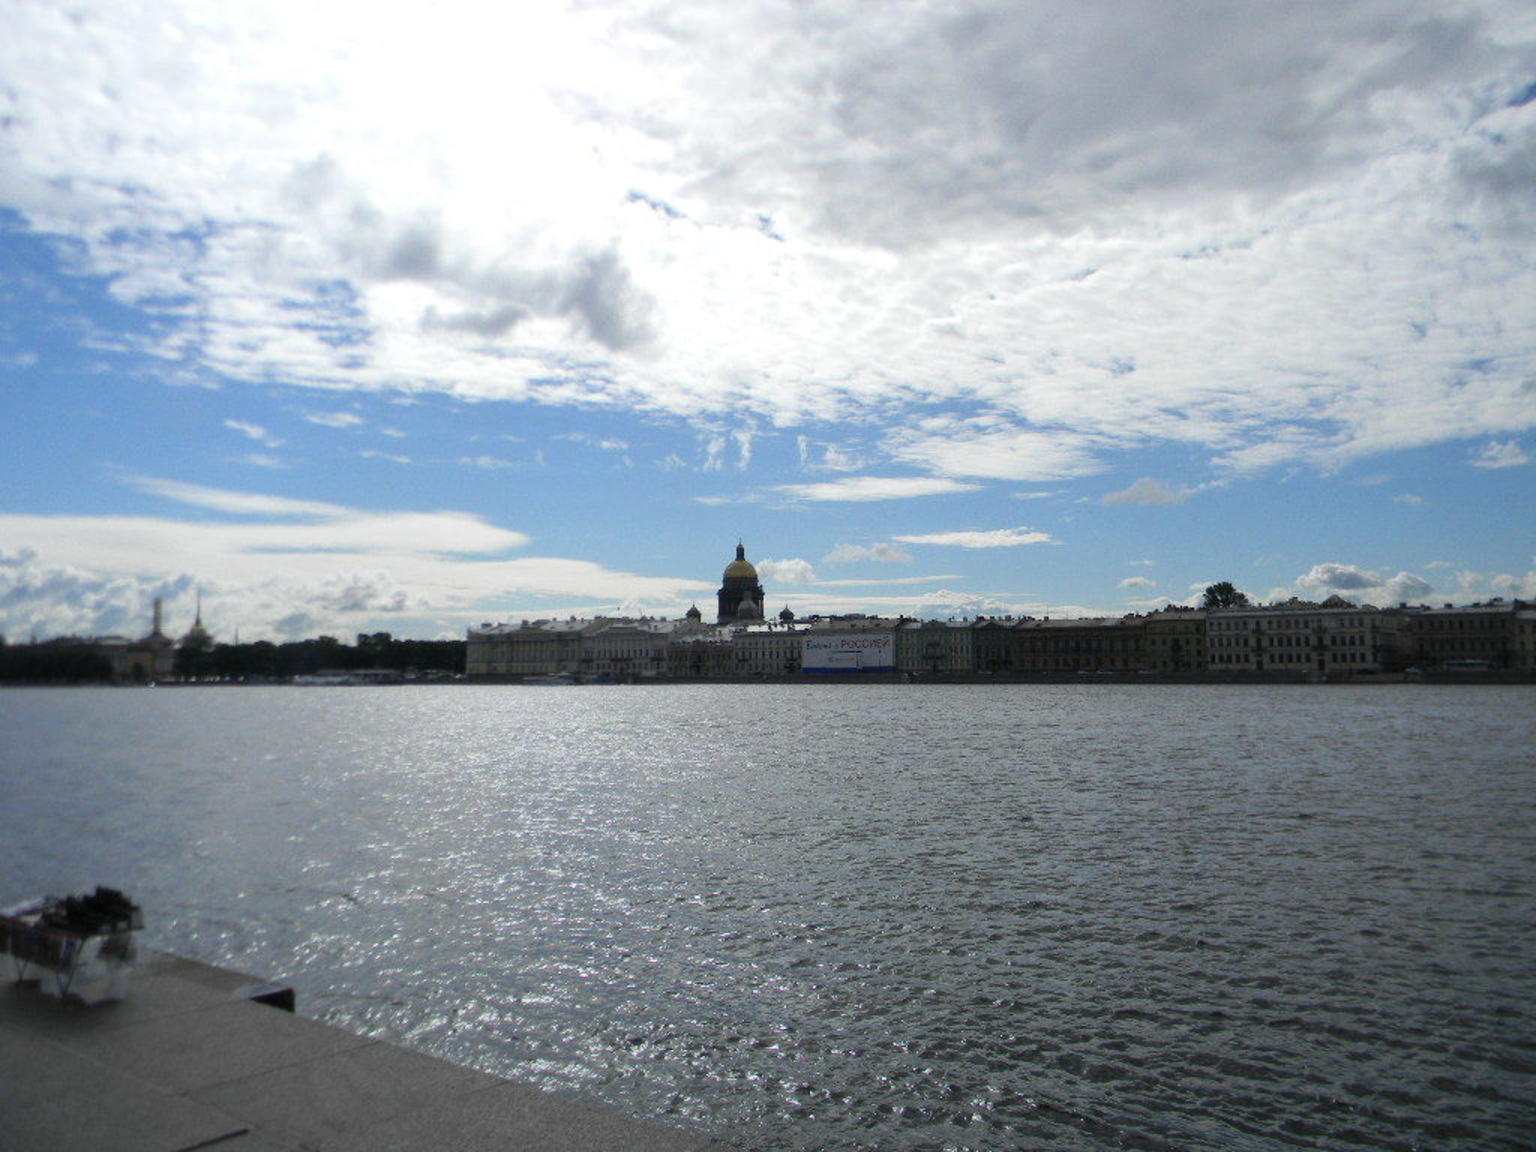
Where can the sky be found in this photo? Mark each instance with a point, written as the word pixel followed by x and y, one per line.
pixel 352 318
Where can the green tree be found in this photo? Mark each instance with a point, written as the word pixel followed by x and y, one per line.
pixel 1224 595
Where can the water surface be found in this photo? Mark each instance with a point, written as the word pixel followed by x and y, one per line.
pixel 853 916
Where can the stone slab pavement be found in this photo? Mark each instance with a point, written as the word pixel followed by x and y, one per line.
pixel 182 1064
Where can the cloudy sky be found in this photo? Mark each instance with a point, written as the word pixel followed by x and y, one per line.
pixel 358 316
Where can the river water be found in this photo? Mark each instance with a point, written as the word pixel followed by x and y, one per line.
pixel 853 916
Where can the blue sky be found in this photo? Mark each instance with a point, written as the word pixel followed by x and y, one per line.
pixel 353 319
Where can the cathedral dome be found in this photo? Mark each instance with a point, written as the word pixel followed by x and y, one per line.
pixel 741 594
pixel 740 568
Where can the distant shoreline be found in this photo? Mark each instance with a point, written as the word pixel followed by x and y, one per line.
pixel 1505 677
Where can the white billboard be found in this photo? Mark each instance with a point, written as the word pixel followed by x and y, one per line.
pixel 850 652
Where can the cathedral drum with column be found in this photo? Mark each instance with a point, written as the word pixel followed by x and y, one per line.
pixel 741 594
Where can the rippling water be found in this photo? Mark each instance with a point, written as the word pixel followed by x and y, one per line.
pixel 853 916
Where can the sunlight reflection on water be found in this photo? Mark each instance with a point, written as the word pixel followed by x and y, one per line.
pixel 833 916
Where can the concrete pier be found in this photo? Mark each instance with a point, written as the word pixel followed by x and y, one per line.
pixel 184 1063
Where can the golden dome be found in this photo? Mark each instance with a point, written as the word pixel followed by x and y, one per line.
pixel 740 568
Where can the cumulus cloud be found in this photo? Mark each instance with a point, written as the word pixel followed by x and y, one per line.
pixel 880 553
pixel 1408 498
pixel 1138 582
pixel 273 565
pixel 1148 491
pixel 1522 587
pixel 1500 454
pixel 859 489
pixel 795 571
pixel 988 538
pixel 1360 585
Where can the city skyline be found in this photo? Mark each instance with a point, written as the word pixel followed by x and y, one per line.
pixel 365 321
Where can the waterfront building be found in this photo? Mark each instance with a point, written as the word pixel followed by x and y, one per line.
pixel 1525 637
pixel 1175 641
pixel 1334 636
pixel 768 649
pixel 1102 644
pixel 149 659
pixel 528 648
pixel 993 644
pixel 701 654
pixel 935 647
pixel 849 644
pixel 627 649
pixel 1477 633
pixel 198 638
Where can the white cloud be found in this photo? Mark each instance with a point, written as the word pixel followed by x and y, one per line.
pixel 603 443
pixel 273 565
pixel 1520 587
pixel 487 463
pixel 867 488
pixel 1501 454
pixel 1083 227
pixel 1359 585
pixel 827 457
pixel 743 438
pixel 254 431
pixel 334 419
pixel 989 538
pixel 1148 491
pixel 375 454
pixel 885 582
pixel 1138 582
pixel 992 449
pixel 236 503
pixel 879 552
pixel 262 460
pixel 795 571
pixel 1408 498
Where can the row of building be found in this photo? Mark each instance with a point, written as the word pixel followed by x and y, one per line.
pixel 1332 639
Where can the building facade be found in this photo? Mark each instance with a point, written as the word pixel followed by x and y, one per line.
pixel 1104 644
pixel 1334 637
pixel 1470 635
pixel 936 647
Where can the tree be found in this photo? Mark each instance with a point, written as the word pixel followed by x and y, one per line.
pixel 1224 595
